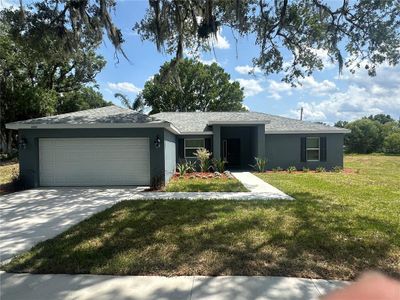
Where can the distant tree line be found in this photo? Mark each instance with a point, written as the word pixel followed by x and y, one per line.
pixel 376 133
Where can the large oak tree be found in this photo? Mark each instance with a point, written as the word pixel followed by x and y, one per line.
pixel 360 33
pixel 201 88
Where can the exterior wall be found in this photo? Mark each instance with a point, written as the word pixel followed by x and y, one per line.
pixel 29 157
pixel 284 150
pixel 169 154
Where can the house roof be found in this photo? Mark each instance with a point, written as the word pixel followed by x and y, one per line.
pixel 193 122
pixel 104 117
pixel 177 122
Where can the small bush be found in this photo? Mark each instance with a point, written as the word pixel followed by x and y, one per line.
pixel 320 169
pixel 337 169
pixel 306 170
pixel 260 164
pixel 219 165
pixel 203 155
pixel 391 144
pixel 274 170
pixel 191 166
pixel 291 169
pixel 182 168
pixel 279 169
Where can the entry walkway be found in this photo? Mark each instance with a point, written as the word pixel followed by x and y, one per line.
pixel 257 185
pixel 99 287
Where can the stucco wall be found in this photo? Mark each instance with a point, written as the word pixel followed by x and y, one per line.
pixel 170 154
pixel 29 157
pixel 283 150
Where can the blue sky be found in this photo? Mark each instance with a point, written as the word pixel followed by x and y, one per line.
pixel 325 96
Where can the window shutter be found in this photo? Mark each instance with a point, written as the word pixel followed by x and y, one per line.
pixel 303 149
pixel 207 144
pixel 322 140
pixel 181 148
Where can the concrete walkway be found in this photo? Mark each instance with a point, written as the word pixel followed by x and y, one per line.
pixel 259 186
pixel 82 287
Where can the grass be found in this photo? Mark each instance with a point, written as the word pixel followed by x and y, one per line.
pixel 187 184
pixel 340 225
pixel 7 172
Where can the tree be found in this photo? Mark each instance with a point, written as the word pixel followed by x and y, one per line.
pixel 36 78
pixel 341 124
pixel 392 143
pixel 367 31
pixel 365 136
pixel 381 118
pixel 84 98
pixel 201 88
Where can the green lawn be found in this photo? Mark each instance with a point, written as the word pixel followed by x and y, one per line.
pixel 186 184
pixel 340 225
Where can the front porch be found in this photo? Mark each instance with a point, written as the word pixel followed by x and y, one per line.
pixel 238 144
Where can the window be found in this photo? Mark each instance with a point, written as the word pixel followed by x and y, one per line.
pixel 313 148
pixel 191 145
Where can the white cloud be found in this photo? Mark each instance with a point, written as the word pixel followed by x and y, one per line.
pixel 308 85
pixel 251 87
pixel 247 69
pixel 220 42
pixel 124 87
pixel 208 61
pixel 364 95
pixel 316 87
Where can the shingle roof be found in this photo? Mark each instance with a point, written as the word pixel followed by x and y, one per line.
pixel 103 115
pixel 190 122
pixel 185 122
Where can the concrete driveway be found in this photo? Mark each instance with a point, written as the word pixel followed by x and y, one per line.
pixel 35 215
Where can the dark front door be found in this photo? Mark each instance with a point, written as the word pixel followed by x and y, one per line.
pixel 231 152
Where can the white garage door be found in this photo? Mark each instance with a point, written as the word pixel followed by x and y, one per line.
pixel 94 161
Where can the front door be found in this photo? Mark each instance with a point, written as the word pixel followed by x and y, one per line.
pixel 231 152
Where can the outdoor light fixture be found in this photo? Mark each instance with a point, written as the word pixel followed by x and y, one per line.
pixel 157 142
pixel 22 144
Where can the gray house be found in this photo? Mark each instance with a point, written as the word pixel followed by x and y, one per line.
pixel 117 146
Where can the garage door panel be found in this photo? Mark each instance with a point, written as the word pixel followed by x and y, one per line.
pixel 94 161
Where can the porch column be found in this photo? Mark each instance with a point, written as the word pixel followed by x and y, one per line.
pixel 217 141
pixel 261 141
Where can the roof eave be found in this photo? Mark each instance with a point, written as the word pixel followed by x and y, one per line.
pixel 237 122
pixel 307 131
pixel 166 125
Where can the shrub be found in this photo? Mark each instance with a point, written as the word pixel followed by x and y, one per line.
pixel 291 169
pixel 191 166
pixel 219 165
pixel 279 169
pixel 182 168
pixel 337 169
pixel 260 164
pixel 306 170
pixel 391 144
pixel 203 155
pixel 320 169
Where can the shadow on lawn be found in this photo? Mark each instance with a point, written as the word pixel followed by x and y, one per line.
pixel 303 238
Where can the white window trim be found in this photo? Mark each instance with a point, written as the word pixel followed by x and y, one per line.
pixel 191 148
pixel 319 148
